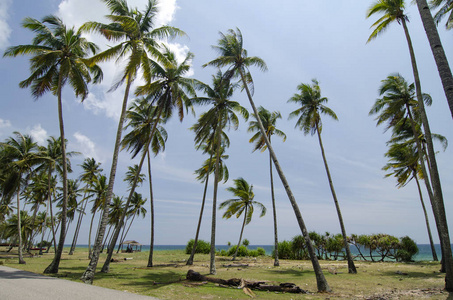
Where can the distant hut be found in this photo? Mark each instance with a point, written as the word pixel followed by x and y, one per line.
pixel 132 246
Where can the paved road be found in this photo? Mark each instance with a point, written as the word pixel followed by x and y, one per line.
pixel 21 285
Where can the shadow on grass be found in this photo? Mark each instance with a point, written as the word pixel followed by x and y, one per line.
pixel 291 272
pixel 408 275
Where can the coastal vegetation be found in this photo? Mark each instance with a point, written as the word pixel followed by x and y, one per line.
pixel 34 178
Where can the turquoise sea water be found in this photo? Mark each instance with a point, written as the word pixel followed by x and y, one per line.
pixel 424 250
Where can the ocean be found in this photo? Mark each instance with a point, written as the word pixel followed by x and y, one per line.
pixel 424 250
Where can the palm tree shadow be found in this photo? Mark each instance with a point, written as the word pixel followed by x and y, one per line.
pixel 154 281
pixel 408 275
pixel 290 272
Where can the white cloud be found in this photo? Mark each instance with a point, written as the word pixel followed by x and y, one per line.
pixel 4 124
pixel 85 145
pixel 5 30
pixel 39 134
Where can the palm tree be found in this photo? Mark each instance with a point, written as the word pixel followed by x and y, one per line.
pixel 203 174
pixel 59 56
pixel 244 203
pixel 434 41
pixel 137 209
pixel 99 189
pixel 138 42
pixel 19 156
pixel 403 164
pixel 91 169
pixel 309 120
pixel 268 120
pixel 234 56
pixel 393 10
pixel 142 116
pixel 210 128
pixel 168 89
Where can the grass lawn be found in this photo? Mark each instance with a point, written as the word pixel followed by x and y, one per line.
pixel 166 280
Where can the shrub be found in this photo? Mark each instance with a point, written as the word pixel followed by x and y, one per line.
pixel 284 250
pixel 253 253
pixel 202 247
pixel 261 251
pixel 242 251
pixel 246 242
pixel 222 253
pixel 408 248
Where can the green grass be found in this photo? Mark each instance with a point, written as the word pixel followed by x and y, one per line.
pixel 166 280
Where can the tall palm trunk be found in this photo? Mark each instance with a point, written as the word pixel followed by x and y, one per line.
pixel 437 201
pixel 274 211
pixel 30 240
pixel 240 236
pixel 127 231
pixel 88 275
pixel 428 228
pixel 438 51
pixel 19 227
pixel 151 244
pixel 54 265
pixel 212 268
pixel 321 281
pixel 89 235
pixel 195 243
pixel 106 266
pixel 351 266
pixel 79 223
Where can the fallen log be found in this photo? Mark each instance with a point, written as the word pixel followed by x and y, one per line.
pixel 253 285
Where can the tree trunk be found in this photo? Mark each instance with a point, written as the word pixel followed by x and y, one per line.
pixel 240 236
pixel 212 269
pixel 438 51
pixel 274 211
pixel 89 235
pixel 30 240
pixel 195 243
pixel 322 284
pixel 106 266
pixel 351 266
pixel 88 275
pixel 433 249
pixel 79 223
pixel 151 244
pixel 438 202
pixel 19 227
pixel 54 265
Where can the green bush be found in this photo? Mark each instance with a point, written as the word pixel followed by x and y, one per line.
pixel 284 250
pixel 241 252
pixel 222 253
pixel 261 251
pixel 202 247
pixel 253 253
pixel 408 248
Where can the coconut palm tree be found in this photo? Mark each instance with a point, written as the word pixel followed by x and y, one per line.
pixel 91 169
pixel 142 116
pixel 169 90
pixel 429 23
pixel 99 189
pixel 203 174
pixel 268 120
pixel 20 155
pixel 138 44
pixel 235 58
pixel 309 120
pixel 210 128
pixel 58 57
pixel 244 203
pixel 403 165
pixel 137 209
pixel 393 10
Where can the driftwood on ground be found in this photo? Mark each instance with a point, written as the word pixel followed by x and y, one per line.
pixel 241 283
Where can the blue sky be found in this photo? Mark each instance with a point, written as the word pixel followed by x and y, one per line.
pixel 299 40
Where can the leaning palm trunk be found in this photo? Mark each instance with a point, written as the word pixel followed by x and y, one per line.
pixel 151 244
pixel 88 275
pixel 195 243
pixel 89 235
pixel 274 211
pixel 106 266
pixel 54 265
pixel 437 201
pixel 322 284
pixel 433 250
pixel 240 236
pixel 30 240
pixel 438 51
pixel 19 227
pixel 351 266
